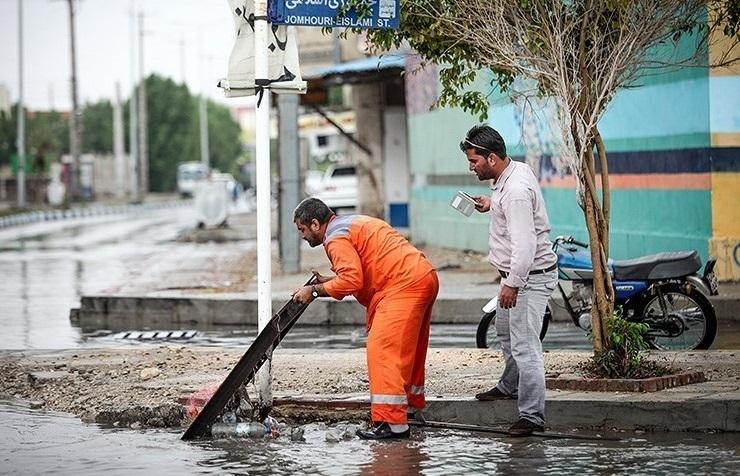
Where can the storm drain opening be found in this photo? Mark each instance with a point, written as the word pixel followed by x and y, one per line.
pixel 156 335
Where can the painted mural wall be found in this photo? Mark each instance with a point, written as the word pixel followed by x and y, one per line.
pixel 674 155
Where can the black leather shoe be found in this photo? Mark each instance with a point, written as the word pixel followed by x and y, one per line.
pixel 493 394
pixel 415 416
pixel 382 431
pixel 524 427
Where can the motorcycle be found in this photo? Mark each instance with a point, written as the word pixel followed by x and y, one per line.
pixel 664 291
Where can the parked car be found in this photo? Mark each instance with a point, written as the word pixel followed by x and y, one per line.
pixel 338 187
pixel 189 176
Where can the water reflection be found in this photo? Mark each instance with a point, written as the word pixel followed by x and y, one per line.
pixel 395 457
pixel 37 442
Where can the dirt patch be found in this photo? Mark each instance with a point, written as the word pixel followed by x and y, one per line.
pixel 102 385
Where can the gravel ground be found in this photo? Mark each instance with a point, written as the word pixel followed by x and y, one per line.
pixel 100 385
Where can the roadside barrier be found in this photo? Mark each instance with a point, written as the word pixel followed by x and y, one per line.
pixel 28 218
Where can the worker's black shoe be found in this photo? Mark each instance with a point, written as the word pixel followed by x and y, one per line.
pixel 382 431
pixel 524 427
pixel 415 416
pixel 493 394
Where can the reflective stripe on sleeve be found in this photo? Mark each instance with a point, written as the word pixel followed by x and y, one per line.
pixel 417 390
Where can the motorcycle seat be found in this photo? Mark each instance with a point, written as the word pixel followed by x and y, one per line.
pixel 671 264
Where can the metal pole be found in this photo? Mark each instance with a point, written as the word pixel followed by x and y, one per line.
pixel 21 140
pixel 262 152
pixel 143 155
pixel 203 115
pixel 182 61
pixel 75 133
pixel 290 190
pixel 133 127
pixel 119 157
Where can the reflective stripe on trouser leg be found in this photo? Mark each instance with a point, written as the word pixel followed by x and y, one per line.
pixel 392 347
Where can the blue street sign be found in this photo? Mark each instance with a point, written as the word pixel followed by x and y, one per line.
pixel 325 13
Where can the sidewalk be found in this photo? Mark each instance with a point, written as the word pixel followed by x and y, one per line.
pixel 152 385
pixel 226 295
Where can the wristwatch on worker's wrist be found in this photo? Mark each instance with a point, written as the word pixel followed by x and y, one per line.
pixel 314 292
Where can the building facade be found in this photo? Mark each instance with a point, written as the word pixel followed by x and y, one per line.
pixel 673 145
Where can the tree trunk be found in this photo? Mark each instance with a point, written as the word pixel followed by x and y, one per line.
pixel 598 231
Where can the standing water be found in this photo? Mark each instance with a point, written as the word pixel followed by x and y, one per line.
pixel 36 442
pixel 47 267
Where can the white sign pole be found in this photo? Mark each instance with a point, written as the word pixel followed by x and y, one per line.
pixel 262 143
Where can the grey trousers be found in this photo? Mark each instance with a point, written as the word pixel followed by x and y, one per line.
pixel 518 331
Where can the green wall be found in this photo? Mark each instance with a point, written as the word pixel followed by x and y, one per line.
pixel 678 220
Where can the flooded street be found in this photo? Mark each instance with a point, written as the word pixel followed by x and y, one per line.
pixel 35 442
pixel 46 267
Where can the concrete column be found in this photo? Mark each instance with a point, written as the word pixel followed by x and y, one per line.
pixel 290 182
pixel 368 101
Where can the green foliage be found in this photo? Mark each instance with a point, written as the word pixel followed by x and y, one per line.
pixel 169 130
pixel 7 137
pixel 97 128
pixel 223 138
pixel 621 357
pixel 173 132
pixel 47 138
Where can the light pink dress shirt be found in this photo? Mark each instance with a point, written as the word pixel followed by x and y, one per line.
pixel 518 233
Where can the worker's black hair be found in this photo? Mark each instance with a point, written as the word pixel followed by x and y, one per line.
pixel 312 208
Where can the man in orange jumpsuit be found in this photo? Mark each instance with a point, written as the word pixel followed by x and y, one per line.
pixel 397 285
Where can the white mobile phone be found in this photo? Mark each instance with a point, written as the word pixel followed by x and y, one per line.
pixel 463 203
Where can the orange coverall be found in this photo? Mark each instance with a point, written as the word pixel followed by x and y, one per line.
pixel 398 286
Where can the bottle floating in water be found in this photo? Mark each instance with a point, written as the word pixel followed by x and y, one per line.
pixel 251 429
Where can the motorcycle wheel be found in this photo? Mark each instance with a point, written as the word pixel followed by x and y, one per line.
pixel 694 310
pixel 486 333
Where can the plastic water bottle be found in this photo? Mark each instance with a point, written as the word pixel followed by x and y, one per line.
pixel 251 429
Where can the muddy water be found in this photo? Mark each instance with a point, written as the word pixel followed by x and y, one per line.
pixel 37 442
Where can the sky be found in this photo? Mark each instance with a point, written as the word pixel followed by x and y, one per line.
pixel 183 39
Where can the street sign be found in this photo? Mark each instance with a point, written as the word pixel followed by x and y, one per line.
pixel 384 14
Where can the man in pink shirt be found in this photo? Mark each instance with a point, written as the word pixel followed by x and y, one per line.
pixel 521 251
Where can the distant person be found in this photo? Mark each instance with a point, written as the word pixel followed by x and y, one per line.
pixel 521 251
pixel 397 285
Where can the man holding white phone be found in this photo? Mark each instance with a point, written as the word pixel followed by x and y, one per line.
pixel 521 251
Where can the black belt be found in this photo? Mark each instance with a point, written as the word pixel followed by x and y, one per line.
pixel 536 271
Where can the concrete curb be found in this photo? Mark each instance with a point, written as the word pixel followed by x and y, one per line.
pixel 569 410
pixel 120 313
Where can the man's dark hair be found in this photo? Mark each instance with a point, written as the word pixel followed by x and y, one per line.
pixel 311 208
pixel 484 140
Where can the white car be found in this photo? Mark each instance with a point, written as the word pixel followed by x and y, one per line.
pixel 338 187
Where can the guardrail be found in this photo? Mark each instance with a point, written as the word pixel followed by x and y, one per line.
pixel 28 218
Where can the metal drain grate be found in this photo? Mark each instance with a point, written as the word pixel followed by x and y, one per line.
pixel 157 335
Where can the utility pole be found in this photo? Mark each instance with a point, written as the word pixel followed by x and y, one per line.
pixel 203 113
pixel 21 186
pixel 133 128
pixel 75 138
pixel 143 155
pixel 203 103
pixel 182 61
pixel 119 157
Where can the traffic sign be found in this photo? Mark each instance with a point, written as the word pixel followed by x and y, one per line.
pixel 384 14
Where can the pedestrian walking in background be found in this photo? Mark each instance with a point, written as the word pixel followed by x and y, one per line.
pixel 397 285
pixel 521 251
